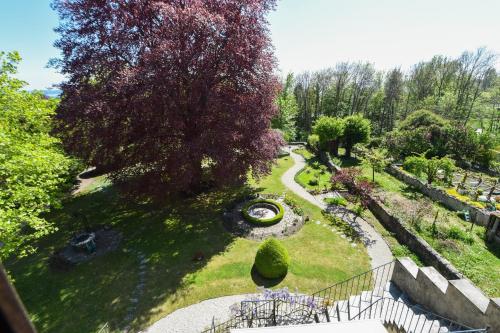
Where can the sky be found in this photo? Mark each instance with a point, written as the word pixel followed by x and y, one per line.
pixel 307 34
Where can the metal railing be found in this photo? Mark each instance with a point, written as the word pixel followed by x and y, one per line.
pixel 373 283
pixel 358 297
pixel 408 318
pixel 307 309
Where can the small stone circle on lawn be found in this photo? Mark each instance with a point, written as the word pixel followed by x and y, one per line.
pixel 235 223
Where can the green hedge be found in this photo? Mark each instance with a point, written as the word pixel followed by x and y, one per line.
pixel 272 259
pixel 266 222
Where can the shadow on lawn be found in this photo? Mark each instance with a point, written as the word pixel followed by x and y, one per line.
pixel 263 282
pixel 100 291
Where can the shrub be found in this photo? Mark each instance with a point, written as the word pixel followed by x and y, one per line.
pixel 313 182
pixel 313 141
pixel 296 208
pixel 265 222
pixel 457 233
pixel 338 201
pixel 465 199
pixel 272 259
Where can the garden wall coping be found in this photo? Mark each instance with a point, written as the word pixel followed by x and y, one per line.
pixel 458 299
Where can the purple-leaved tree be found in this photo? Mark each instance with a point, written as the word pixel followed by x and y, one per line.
pixel 168 92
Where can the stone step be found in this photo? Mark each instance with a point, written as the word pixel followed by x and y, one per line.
pixel 403 314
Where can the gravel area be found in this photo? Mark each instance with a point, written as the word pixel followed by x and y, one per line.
pixel 236 224
pixel 197 317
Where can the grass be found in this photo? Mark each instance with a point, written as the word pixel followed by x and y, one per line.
pixel 170 234
pixel 314 176
pixel 477 260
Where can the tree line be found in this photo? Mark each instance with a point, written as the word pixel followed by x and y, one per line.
pixel 465 90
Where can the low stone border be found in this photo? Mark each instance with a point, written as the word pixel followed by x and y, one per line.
pixel 137 292
pixel 235 223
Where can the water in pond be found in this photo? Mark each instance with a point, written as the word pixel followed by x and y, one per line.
pixel 261 212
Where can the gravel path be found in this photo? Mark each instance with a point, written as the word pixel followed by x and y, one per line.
pixel 195 318
pixel 377 248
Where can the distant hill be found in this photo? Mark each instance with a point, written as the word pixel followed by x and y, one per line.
pixel 52 92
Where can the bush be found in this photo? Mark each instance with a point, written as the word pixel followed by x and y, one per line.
pixel 265 222
pixel 457 233
pixel 313 141
pixel 313 182
pixel 296 208
pixel 338 201
pixel 272 259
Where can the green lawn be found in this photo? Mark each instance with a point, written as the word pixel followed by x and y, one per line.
pixel 315 176
pixel 93 293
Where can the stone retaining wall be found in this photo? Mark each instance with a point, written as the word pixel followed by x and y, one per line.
pixel 416 244
pixel 457 299
pixel 478 216
pixel 440 288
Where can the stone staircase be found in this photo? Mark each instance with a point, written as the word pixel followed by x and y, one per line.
pixel 370 296
pixel 393 308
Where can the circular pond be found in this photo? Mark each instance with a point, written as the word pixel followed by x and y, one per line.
pixel 263 212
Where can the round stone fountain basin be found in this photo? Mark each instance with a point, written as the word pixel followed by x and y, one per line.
pixel 263 210
pixel 84 241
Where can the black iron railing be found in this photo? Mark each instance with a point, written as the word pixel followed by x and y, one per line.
pixel 366 286
pixel 364 296
pixel 407 318
pixel 300 309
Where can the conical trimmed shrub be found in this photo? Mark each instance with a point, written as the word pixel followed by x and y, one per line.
pixel 272 259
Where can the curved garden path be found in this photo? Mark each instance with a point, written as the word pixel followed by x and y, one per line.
pixel 197 317
pixel 377 248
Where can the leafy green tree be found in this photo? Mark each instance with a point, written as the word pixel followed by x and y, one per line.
pixel 415 165
pixel 376 159
pixel 287 110
pixel 357 129
pixel 313 141
pixel 419 165
pixel 34 172
pixel 329 131
pixel 422 118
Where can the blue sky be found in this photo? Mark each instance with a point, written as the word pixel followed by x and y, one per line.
pixel 307 34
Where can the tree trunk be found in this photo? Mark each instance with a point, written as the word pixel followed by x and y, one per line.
pixel 348 149
pixel 335 148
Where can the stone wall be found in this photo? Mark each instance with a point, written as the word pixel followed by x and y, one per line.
pixel 440 287
pixel 478 216
pixel 457 299
pixel 416 244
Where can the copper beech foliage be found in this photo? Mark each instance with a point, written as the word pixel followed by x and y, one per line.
pixel 167 92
